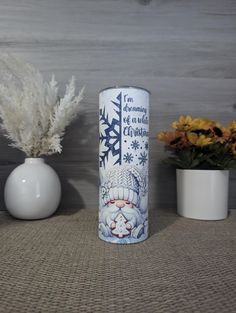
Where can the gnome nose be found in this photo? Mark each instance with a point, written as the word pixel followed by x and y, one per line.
pixel 120 203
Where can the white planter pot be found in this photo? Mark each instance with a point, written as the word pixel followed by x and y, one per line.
pixel 202 194
pixel 32 190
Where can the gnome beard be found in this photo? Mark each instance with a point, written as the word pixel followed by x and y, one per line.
pixel 121 222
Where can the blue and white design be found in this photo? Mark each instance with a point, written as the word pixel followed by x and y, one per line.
pixel 128 157
pixel 135 145
pixel 143 158
pixel 110 135
pixel 123 161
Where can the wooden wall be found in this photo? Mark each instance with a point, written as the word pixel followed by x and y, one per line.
pixel 183 51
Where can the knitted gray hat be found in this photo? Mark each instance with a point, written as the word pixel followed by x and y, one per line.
pixel 123 183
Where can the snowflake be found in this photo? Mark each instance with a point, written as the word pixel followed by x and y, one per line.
pixel 112 137
pixel 135 145
pixel 143 158
pixel 128 157
pixel 146 145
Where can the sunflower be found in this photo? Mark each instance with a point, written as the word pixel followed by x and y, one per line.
pixel 232 126
pixel 183 124
pixel 173 139
pixel 221 135
pixel 233 149
pixel 201 124
pixel 199 141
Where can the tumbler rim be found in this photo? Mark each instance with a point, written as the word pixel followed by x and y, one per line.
pixel 125 86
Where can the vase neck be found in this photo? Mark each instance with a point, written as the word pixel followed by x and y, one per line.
pixel 34 160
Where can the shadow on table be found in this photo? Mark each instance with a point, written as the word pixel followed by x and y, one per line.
pixel 72 203
pixel 162 213
pixel 161 219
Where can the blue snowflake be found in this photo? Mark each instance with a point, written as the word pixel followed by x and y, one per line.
pixel 112 136
pixel 135 144
pixel 146 145
pixel 128 157
pixel 142 158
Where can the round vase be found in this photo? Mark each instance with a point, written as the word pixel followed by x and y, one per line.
pixel 202 194
pixel 32 190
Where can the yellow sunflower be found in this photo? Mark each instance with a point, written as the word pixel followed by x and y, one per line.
pixel 172 139
pixel 221 135
pixel 199 141
pixel 201 124
pixel 183 124
pixel 233 149
pixel 232 126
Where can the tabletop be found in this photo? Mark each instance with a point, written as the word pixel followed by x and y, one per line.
pixel 60 265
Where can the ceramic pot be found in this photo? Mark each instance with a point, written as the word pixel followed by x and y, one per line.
pixel 32 190
pixel 202 194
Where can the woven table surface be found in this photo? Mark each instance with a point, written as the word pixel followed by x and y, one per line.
pixel 59 265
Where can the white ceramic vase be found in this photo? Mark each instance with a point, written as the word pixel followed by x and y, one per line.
pixel 202 194
pixel 32 190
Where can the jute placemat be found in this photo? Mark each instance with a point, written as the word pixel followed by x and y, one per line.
pixel 59 265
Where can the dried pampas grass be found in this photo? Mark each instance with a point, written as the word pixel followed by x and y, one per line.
pixel 33 116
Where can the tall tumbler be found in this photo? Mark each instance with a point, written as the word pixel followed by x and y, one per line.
pixel 123 164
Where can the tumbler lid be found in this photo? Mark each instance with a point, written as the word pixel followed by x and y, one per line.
pixel 126 87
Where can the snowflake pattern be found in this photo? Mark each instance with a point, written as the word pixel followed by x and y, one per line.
pixel 128 157
pixel 143 158
pixel 135 144
pixel 112 136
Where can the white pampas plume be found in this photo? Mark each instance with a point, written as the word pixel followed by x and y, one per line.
pixel 33 116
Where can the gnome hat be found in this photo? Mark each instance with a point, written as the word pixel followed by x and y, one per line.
pixel 123 183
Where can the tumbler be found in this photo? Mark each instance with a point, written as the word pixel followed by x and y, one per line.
pixel 123 164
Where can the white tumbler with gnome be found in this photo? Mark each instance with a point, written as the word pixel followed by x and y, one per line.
pixel 123 164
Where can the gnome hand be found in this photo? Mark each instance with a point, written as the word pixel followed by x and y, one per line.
pixel 128 226
pixel 113 225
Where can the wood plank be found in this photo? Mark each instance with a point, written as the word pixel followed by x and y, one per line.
pixel 80 185
pixel 184 52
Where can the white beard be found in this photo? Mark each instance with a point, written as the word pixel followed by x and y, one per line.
pixel 109 213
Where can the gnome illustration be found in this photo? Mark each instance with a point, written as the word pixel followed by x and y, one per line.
pixel 123 212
